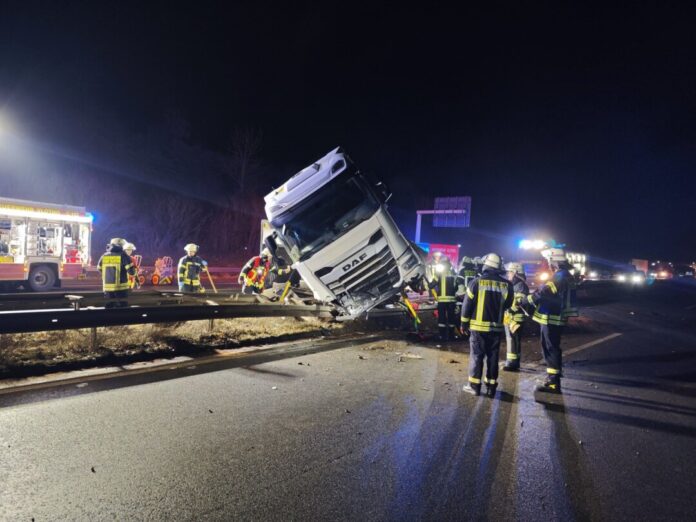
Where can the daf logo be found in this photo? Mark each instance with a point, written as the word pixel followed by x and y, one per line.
pixel 354 262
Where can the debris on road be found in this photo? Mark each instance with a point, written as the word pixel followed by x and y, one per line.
pixel 274 388
pixel 211 411
pixel 408 355
pixel 361 357
pixel 453 361
pixel 93 470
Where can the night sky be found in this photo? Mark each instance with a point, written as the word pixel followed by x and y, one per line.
pixel 575 122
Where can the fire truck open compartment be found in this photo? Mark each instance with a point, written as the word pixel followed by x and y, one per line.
pixel 42 243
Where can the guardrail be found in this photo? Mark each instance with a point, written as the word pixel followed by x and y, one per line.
pixel 26 321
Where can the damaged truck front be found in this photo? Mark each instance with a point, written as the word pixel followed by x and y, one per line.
pixel 333 223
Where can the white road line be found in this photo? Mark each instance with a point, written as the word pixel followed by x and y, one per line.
pixel 577 349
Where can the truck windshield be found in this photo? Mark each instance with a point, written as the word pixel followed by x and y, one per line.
pixel 327 214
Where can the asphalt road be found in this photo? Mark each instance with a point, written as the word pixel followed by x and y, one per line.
pixel 353 430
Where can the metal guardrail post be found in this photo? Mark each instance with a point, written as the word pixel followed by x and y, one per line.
pixel 211 325
pixel 93 338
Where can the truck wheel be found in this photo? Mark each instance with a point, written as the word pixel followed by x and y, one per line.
pixel 42 278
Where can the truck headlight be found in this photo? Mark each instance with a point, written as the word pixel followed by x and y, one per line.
pixel 636 279
pixel 621 278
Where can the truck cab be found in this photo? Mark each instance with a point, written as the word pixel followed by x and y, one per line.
pixel 333 223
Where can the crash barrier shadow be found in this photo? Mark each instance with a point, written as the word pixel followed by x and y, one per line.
pixel 134 377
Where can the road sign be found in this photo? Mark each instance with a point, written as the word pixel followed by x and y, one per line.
pixel 452 212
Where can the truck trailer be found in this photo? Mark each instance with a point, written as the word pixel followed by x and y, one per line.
pixel 332 221
pixel 42 244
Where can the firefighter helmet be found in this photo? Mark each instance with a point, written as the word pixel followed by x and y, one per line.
pixel 117 241
pixel 191 247
pixel 492 260
pixel 517 268
pixel 129 248
pixel 266 253
pixel 554 255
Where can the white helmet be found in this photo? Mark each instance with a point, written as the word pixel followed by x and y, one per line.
pixel 129 246
pixel 554 255
pixel 265 252
pixel 191 247
pixel 492 261
pixel 517 268
pixel 117 241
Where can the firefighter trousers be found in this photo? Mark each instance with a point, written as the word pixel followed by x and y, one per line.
pixel 189 289
pixel 484 346
pixel 513 342
pixel 446 320
pixel 550 336
pixel 250 289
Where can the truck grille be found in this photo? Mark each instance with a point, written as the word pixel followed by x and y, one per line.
pixel 374 276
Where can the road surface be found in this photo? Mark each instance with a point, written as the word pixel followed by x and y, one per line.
pixel 365 430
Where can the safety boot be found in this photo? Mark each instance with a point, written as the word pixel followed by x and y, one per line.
pixel 490 390
pixel 550 386
pixel 511 366
pixel 472 389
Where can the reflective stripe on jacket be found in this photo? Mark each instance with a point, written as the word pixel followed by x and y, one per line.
pixel 255 272
pixel 487 297
pixel 445 288
pixel 521 293
pixel 115 267
pixel 190 268
pixel 551 298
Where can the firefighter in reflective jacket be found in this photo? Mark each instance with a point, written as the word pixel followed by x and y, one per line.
pixel 254 273
pixel 487 297
pixel 190 268
pixel 437 265
pixel 553 302
pixel 467 272
pixel 115 266
pixel 514 317
pixel 444 286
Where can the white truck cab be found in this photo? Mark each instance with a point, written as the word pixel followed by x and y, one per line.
pixel 333 223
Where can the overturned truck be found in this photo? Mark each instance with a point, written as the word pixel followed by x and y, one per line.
pixel 332 222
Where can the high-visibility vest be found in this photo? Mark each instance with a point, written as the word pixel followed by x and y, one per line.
pixel 487 298
pixel 190 269
pixel 257 273
pixel 115 268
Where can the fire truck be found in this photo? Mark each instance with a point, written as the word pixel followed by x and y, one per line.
pixel 42 244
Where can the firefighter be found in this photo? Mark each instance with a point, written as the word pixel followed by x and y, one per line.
pixel 437 265
pixel 133 281
pixel 467 270
pixel 553 303
pixel 514 317
pixel 487 296
pixel 190 268
pixel 115 267
pixel 254 273
pixel 444 286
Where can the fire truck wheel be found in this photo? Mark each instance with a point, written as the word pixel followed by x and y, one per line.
pixel 42 278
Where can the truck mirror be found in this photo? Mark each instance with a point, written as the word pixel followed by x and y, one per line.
pixel 383 191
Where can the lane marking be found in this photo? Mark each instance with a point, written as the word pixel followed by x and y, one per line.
pixel 577 349
pixel 590 344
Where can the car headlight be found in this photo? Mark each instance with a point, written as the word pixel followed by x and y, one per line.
pixel 621 278
pixel 637 279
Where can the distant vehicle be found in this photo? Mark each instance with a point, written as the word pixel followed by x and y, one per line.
pixel 42 244
pixel 631 276
pixel 333 223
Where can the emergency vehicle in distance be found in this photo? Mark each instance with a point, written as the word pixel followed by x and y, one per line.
pixel 333 223
pixel 42 243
